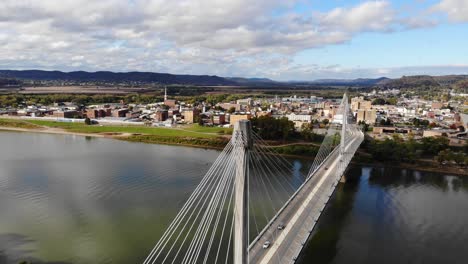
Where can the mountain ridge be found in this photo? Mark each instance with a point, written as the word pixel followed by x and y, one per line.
pixel 213 80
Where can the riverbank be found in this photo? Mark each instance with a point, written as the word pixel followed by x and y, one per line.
pixel 209 138
pixel 365 159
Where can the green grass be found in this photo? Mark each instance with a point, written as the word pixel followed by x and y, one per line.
pixel 213 142
pixel 214 130
pixel 157 131
pixel 17 124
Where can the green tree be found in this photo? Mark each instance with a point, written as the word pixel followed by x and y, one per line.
pixel 87 121
pixel 433 145
pixel 274 129
pixel 378 101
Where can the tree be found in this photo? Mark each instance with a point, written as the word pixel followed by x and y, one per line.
pixel 392 101
pixel 387 122
pixel 88 121
pixel 442 156
pixel 433 145
pixel 231 110
pixel 271 128
pixel 378 101
pixel 325 121
pixel 364 126
pixel 199 120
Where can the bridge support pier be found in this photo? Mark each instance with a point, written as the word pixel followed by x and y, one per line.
pixel 242 134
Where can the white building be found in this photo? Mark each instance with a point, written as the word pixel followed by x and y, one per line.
pixel 296 117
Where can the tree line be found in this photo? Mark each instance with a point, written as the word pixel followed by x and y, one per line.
pixel 395 150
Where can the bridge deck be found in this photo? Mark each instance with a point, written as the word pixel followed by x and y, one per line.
pixel 299 217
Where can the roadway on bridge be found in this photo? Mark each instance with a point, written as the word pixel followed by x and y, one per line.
pixel 299 216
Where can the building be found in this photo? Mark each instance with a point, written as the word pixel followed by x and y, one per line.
pixel 190 116
pixel 160 115
pixel 98 113
pixel 391 130
pixel 367 116
pixel 358 103
pixel 219 119
pixel 67 114
pixel 234 118
pixel 227 106
pixel 438 132
pixel 302 118
pixel 263 113
pixel 170 102
pixel 245 102
pixel 436 105
pixel 119 112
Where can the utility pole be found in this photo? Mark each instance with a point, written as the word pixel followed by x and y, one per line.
pixel 243 142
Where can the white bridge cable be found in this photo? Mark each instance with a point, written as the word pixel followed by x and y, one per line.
pixel 203 227
pixel 198 210
pixel 210 213
pixel 330 140
pixel 176 222
pixel 202 231
pixel 280 160
pixel 205 188
pixel 221 208
pixel 264 172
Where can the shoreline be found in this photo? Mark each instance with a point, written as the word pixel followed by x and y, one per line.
pixel 56 131
pixel 442 170
pixel 125 137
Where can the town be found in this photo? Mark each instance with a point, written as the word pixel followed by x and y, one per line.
pixel 381 114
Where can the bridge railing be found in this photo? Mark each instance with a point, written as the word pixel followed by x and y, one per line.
pixel 309 177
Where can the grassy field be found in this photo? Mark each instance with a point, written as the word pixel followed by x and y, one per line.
pixel 214 130
pixel 17 124
pixel 190 132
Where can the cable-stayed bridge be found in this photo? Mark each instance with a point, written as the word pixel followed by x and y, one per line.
pixel 254 206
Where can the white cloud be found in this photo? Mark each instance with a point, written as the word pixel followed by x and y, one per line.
pixel 456 10
pixel 59 45
pixel 224 37
pixel 368 16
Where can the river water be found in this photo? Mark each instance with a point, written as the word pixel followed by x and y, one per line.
pixel 72 199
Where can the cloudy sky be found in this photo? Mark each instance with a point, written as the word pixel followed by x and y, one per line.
pixel 278 39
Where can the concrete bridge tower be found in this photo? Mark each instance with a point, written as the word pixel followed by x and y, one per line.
pixel 242 140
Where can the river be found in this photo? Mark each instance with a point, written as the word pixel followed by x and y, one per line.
pixel 73 199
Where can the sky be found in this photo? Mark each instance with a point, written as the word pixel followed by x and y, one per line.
pixel 277 39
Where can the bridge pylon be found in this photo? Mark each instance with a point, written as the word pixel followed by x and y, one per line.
pixel 344 127
pixel 243 141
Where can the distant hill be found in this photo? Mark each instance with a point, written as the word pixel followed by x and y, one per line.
pixel 254 81
pixel 105 76
pixel 345 82
pixel 422 81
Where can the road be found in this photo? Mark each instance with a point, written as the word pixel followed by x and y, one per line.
pixel 299 217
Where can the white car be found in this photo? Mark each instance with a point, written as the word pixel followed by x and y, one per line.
pixel 281 226
pixel 266 244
